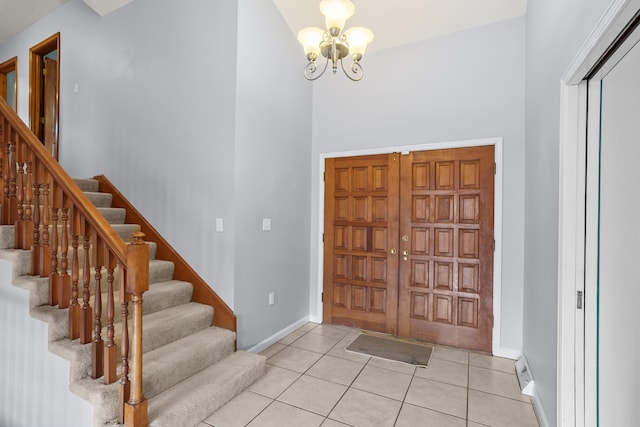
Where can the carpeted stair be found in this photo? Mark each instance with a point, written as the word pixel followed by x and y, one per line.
pixel 190 368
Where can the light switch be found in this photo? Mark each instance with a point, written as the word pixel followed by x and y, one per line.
pixel 266 224
pixel 219 227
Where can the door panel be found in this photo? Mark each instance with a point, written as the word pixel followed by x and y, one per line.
pixel 409 245
pixel 361 227
pixel 446 279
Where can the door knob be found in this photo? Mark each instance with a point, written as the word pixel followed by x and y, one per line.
pixel 393 251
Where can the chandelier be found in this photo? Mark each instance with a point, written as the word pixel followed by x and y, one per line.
pixel 334 43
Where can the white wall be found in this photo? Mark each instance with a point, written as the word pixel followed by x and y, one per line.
pixel 555 32
pixel 155 112
pixel 34 385
pixel 272 178
pixel 463 86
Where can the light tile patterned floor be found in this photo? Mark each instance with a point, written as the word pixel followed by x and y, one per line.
pixel 312 381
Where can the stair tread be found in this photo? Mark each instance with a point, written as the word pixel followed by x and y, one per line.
pixel 113 215
pixel 100 200
pixel 197 397
pixel 185 319
pixel 87 184
pixel 170 364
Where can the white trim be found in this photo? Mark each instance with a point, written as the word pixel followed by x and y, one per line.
pixel 571 244
pixel 268 342
pixel 539 409
pixel 608 27
pixel 497 227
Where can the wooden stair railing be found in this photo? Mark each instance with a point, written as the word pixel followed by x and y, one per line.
pixel 31 177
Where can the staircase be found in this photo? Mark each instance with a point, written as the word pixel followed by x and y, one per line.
pixel 190 367
pixel 167 356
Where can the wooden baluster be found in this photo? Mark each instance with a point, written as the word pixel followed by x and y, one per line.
pixel 64 281
pixel 6 177
pixel 135 412
pixel 74 308
pixel 27 225
pixel 19 232
pixel 124 385
pixel 86 320
pixel 110 352
pixel 13 203
pixel 35 248
pixel 53 274
pixel 45 249
pixel 97 346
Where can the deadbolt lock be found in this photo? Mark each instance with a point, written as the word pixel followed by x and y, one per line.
pixel 405 238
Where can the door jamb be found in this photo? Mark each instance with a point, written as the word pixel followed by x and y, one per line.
pixel 571 245
pixel 36 55
pixel 497 222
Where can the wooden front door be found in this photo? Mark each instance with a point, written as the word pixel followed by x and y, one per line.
pixel 429 276
pixel 361 228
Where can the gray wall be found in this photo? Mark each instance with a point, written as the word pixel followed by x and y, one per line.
pixel 463 86
pixel 272 155
pixel 555 32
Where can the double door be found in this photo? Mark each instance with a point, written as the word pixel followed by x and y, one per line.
pixel 408 244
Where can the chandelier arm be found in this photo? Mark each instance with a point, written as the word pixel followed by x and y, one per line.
pixel 311 69
pixel 356 69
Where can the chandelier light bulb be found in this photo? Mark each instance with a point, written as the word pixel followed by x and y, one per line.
pixel 336 13
pixel 310 39
pixel 358 39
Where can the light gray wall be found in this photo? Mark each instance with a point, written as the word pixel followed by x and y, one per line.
pixel 155 112
pixel 34 389
pixel 555 32
pixel 272 179
pixel 463 86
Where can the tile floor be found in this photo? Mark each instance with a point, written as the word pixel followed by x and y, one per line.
pixel 312 381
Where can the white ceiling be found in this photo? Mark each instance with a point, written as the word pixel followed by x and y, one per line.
pixel 398 22
pixel 393 22
pixel 15 15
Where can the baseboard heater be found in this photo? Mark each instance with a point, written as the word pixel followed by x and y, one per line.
pixel 524 376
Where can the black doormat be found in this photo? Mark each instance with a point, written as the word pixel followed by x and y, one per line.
pixel 390 348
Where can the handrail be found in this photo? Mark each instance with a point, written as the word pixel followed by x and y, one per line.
pixel 26 168
pixel 79 199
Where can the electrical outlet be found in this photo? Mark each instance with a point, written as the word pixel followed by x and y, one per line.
pixel 272 298
pixel 219 225
pixel 266 224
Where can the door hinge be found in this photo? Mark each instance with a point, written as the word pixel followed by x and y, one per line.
pixel 494 245
pixel 42 120
pixel 495 168
pixel 492 318
pixel 324 176
pixel 579 300
pixel 322 237
pixel 44 71
pixel 322 297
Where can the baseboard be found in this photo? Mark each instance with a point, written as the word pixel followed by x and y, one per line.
pixel 268 342
pixel 539 410
pixel 508 353
pixel 528 386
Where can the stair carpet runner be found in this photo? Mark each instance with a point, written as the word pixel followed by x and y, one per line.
pixel 190 369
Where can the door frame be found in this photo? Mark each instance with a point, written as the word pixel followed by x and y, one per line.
pixel 36 89
pixel 5 68
pixel 497 220
pixel 571 214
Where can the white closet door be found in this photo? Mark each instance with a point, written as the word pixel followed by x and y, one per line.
pixel 618 247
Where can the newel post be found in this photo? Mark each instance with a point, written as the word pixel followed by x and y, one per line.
pixel 135 411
